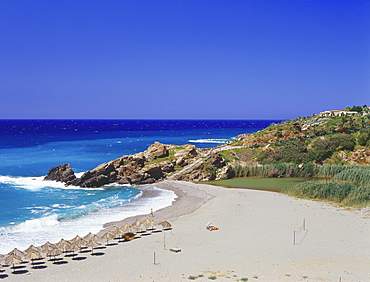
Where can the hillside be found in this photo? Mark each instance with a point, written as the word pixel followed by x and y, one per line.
pixel 330 137
pixel 335 138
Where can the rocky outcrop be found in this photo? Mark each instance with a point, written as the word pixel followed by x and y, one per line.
pixel 205 170
pixel 61 173
pixel 154 164
pixel 158 162
pixel 156 151
pixel 358 157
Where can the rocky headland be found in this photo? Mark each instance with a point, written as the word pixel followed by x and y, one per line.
pixel 158 162
pixel 318 140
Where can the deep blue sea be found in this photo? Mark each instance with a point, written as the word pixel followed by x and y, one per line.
pixel 33 211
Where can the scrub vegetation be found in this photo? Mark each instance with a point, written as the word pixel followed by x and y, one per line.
pixel 333 146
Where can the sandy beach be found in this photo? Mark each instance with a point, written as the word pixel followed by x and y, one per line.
pixel 262 236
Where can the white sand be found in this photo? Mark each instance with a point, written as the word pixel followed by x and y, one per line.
pixel 255 241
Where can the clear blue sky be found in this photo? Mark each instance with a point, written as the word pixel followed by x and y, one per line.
pixel 183 59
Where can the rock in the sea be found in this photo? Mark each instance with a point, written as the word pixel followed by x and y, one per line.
pixel 61 173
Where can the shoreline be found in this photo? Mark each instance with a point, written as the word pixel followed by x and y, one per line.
pixel 255 241
pixel 186 201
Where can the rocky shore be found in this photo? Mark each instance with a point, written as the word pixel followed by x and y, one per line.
pixel 158 162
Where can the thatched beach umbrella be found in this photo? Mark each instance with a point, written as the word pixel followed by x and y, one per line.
pixel 165 225
pixel 137 223
pixel 152 224
pixel 90 236
pixel 116 231
pixel 78 241
pixel 141 228
pixel 17 253
pixel 31 248
pixel 52 251
pixel 46 246
pixel 146 221
pixel 65 246
pixel 132 229
pixel 125 226
pixel 12 260
pixel 33 254
pixel 92 244
pixel 107 236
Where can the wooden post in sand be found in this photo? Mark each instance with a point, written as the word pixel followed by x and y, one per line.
pixel 154 258
pixel 294 237
pixel 164 240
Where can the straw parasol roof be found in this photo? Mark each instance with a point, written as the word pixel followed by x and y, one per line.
pixel 131 230
pixel 136 223
pixel 90 236
pixel 165 224
pixel 125 226
pixel 53 251
pixel 31 248
pixel 116 231
pixel 65 245
pixel 142 227
pixel 153 223
pixel 46 246
pixel 12 259
pixel 78 241
pixel 107 236
pixel 33 255
pixel 92 244
pixel 17 253
pixel 146 221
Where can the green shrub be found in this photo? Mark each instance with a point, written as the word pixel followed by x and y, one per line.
pixel 291 152
pixel 343 141
pixel 321 149
pixel 363 138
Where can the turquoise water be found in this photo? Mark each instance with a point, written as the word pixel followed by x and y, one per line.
pixel 33 211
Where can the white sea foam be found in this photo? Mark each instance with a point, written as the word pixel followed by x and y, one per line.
pixel 37 183
pixel 30 183
pixel 209 140
pixel 52 228
pixel 31 225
